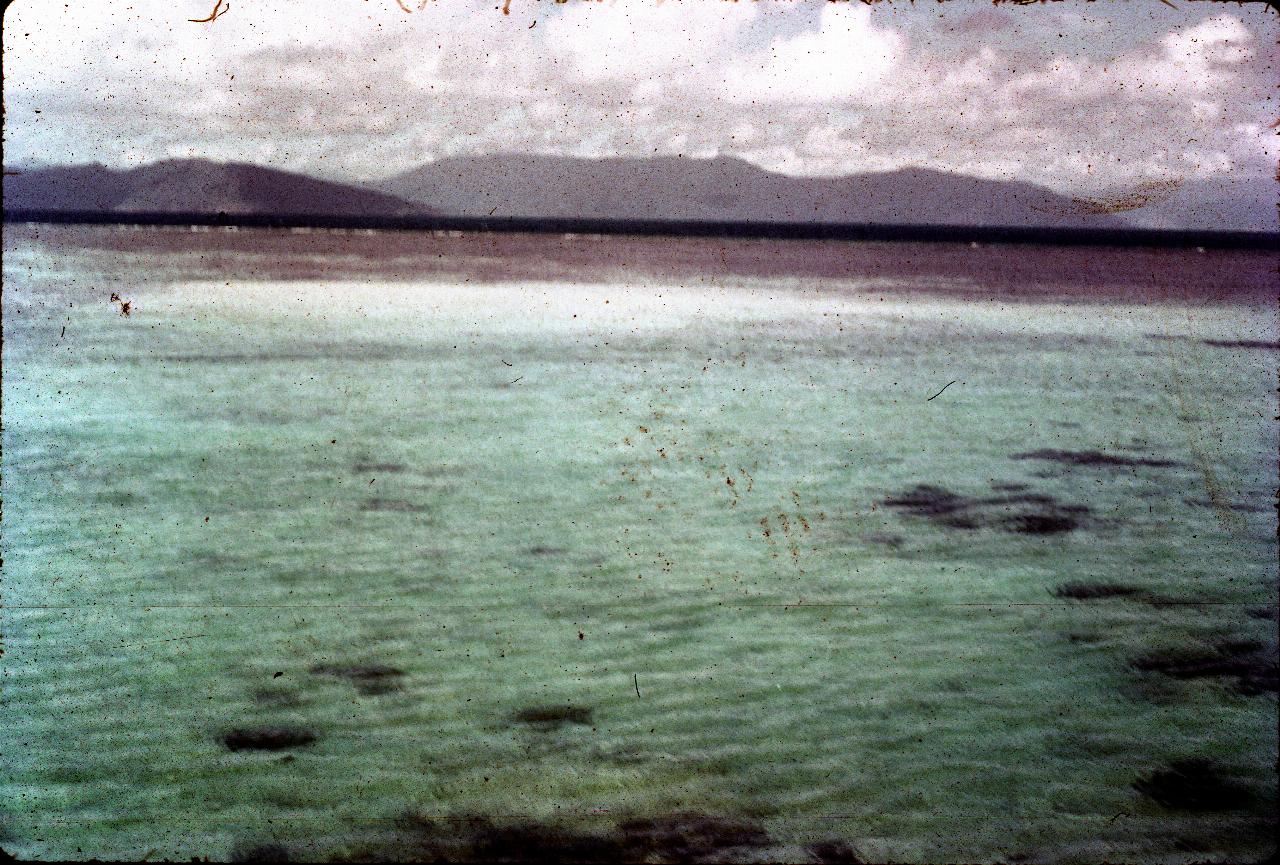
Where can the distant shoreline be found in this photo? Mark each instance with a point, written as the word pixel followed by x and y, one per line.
pixel 1126 237
pixel 977 271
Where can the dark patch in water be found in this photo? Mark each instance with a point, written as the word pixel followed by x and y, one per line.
pixel 381 468
pixel 1192 785
pixel 368 679
pixel 1021 513
pixel 1242 343
pixel 545 551
pixel 552 717
pixel 394 505
pixel 1271 613
pixel 1008 487
pixel 535 842
pixel 1246 661
pixel 270 852
pixel 1049 523
pixel 885 539
pixel 267 738
pixel 1093 459
pixel 835 852
pixel 689 837
pixel 1096 591
pixel 926 500
pixel 119 498
pixel 681 837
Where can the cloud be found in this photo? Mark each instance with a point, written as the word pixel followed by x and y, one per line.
pixel 361 89
pixel 845 58
pixel 640 40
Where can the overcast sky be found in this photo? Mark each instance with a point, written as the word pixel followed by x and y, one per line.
pixel 1076 96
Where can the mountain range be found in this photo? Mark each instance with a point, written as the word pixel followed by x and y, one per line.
pixel 658 188
pixel 725 189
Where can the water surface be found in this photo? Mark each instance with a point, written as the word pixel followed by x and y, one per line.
pixel 567 535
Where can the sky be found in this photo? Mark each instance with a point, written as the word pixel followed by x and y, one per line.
pixel 1077 96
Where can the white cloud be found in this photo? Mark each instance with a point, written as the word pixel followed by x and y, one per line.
pixel 846 57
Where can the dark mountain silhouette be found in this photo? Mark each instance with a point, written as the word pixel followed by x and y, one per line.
pixel 194 186
pixel 726 188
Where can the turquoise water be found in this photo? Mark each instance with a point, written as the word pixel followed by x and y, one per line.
pixel 513 495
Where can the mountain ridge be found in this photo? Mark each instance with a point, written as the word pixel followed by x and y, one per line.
pixel 726 189
pixel 196 186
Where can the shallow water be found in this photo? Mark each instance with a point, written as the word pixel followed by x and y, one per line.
pixel 608 543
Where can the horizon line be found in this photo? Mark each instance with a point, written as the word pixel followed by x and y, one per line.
pixel 735 229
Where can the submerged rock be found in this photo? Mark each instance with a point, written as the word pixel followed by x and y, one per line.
pixel 1093 458
pixel 1019 512
pixel 1247 661
pixel 393 505
pixel 267 738
pixel 927 500
pixel 1043 523
pixel 835 852
pixel 681 837
pixel 1096 591
pixel 689 837
pixel 368 679
pixel 1242 343
pixel 1008 487
pixel 380 468
pixel 1192 785
pixel 537 842
pixel 552 717
pixel 269 852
